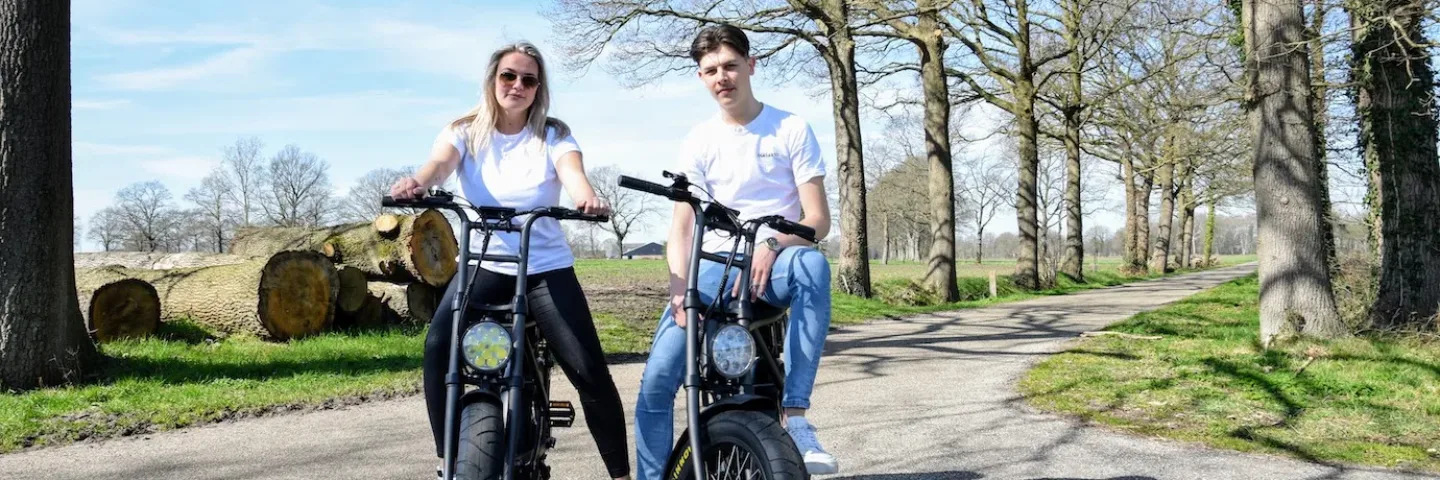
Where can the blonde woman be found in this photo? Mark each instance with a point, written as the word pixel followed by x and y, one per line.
pixel 508 152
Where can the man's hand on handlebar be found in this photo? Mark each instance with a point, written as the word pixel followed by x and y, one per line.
pixel 593 206
pixel 407 188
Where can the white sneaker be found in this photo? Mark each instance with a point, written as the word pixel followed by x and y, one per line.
pixel 817 460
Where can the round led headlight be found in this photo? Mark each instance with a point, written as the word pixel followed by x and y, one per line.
pixel 732 351
pixel 486 346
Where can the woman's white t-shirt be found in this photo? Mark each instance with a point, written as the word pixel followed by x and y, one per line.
pixel 516 172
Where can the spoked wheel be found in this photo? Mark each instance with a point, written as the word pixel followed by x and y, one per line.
pixel 728 461
pixel 741 445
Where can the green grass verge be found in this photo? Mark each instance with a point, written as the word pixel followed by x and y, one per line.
pixel 183 378
pixel 1363 400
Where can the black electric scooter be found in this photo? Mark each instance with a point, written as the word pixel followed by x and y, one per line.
pixel 499 428
pixel 734 372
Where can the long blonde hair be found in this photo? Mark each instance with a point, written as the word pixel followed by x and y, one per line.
pixel 479 123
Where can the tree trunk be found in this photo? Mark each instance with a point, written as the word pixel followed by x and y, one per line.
pixel 980 245
pixel 1132 263
pixel 156 261
pixel 853 275
pixel 1321 109
pixel 424 249
pixel 1161 258
pixel 351 296
pixel 1210 233
pixel 885 240
pixel 115 305
pixel 410 303
pixel 42 334
pixel 1399 127
pixel 940 273
pixel 289 295
pixel 1027 267
pixel 1295 284
pixel 1142 221
pixel 1074 265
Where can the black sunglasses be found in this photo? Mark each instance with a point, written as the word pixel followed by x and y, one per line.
pixel 528 81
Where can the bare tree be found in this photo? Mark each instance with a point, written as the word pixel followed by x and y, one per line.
pixel 981 184
pixel 42 335
pixel 648 40
pixel 148 214
pixel 299 188
pixel 213 213
pixel 1295 285
pixel 245 172
pixel 362 204
pixel 107 228
pixel 629 209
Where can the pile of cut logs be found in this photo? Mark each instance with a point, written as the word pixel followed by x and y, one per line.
pixel 276 283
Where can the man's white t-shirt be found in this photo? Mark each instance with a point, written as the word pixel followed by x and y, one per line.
pixel 516 172
pixel 756 169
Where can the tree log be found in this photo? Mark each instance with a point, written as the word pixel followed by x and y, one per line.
pixel 424 248
pixel 289 295
pixel 115 305
pixel 410 303
pixel 372 313
pixel 387 225
pixel 351 297
pixel 156 260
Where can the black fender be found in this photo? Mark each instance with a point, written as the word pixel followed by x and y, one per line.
pixel 681 452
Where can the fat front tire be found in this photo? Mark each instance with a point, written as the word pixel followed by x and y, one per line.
pixel 741 445
pixel 482 442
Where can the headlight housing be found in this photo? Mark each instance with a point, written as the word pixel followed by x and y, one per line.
pixel 732 351
pixel 486 346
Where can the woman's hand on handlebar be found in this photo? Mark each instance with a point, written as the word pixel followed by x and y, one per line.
pixel 593 206
pixel 406 189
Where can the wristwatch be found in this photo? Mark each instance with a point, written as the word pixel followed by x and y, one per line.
pixel 773 244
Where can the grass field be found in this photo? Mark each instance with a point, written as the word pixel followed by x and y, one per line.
pixel 1368 400
pixel 184 377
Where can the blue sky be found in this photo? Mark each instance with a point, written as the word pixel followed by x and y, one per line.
pixel 161 87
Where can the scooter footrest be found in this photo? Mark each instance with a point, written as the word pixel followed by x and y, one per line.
pixel 562 413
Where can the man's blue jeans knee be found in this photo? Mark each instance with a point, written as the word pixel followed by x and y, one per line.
pixel 800 280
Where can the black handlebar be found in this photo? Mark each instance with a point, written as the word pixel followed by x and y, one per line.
pixel 654 188
pixel 441 199
pixel 785 226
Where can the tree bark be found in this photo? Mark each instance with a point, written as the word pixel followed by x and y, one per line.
pixel 411 303
pixel 156 261
pixel 940 274
pixel 43 340
pixel 1295 284
pixel 1133 263
pixel 1161 258
pixel 1321 109
pixel 1398 128
pixel 853 270
pixel 1074 265
pixel 115 305
pixel 1210 233
pixel 424 249
pixel 1142 220
pixel 289 295
pixel 1027 266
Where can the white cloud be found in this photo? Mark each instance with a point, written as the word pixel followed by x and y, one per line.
pixel 83 104
pixel 99 149
pixel 181 168
pixel 234 68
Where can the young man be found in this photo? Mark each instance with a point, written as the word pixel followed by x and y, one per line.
pixel 761 161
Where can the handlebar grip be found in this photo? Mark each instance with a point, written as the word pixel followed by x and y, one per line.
pixel 388 201
pixel 799 230
pixel 645 186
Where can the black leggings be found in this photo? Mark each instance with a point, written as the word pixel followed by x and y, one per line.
pixel 559 309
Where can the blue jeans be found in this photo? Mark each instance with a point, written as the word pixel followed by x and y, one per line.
pixel 800 279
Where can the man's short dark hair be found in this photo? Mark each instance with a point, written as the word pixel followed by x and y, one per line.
pixel 711 38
